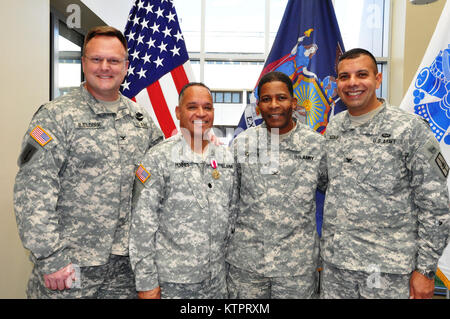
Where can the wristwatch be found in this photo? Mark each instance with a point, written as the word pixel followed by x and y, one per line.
pixel 427 273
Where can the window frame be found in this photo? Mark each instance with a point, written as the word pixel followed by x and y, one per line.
pixel 56 24
pixel 203 57
pixel 223 93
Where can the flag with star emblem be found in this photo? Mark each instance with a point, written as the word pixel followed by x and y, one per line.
pixel 159 63
pixel 41 136
pixel 306 48
pixel 142 174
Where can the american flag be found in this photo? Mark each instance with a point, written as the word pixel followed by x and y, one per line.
pixel 159 62
pixel 142 174
pixel 41 136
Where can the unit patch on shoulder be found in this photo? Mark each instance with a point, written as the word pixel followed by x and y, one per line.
pixel 40 136
pixel 142 174
pixel 442 164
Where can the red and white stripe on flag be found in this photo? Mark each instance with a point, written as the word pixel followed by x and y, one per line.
pixel 158 60
pixel 164 93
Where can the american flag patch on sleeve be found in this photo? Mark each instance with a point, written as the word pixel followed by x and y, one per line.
pixel 40 136
pixel 142 174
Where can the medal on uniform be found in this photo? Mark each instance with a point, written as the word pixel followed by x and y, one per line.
pixel 215 173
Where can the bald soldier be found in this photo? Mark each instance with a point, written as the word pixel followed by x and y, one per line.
pixel 72 194
pixel 183 208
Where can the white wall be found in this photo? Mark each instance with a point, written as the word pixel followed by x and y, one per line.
pixel 24 85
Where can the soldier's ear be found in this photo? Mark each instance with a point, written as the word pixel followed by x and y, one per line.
pixel 177 112
pixel 379 78
pixel 83 62
pixel 294 102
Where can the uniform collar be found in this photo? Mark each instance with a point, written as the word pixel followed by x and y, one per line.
pixel 372 127
pixel 186 149
pixel 99 108
pixel 291 142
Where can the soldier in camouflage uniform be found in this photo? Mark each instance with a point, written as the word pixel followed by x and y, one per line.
pixel 73 190
pixel 273 251
pixel 387 199
pixel 182 208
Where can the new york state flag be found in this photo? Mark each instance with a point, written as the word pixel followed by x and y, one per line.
pixel 306 48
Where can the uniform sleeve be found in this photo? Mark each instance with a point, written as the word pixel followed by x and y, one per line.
pixel 429 182
pixel 147 197
pixel 156 136
pixel 36 192
pixel 235 195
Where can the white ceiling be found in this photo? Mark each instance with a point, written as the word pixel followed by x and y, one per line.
pixel 112 12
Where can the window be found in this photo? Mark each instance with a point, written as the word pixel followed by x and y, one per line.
pixel 228 42
pixel 65 66
pixel 229 55
pixel 366 24
pixel 244 34
pixel 227 97
pixel 236 97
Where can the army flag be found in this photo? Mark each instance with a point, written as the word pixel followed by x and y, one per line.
pixel 306 48
pixel 159 63
pixel 429 97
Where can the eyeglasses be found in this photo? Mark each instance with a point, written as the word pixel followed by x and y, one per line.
pixel 111 61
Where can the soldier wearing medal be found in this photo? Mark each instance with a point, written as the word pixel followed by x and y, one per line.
pixel 273 252
pixel 183 208
pixel 72 194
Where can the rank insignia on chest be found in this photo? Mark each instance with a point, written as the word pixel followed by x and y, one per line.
pixel 215 173
pixel 142 174
pixel 40 136
pixel 141 125
pixel 139 116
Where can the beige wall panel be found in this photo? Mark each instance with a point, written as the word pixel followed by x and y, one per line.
pixel 24 60
pixel 420 23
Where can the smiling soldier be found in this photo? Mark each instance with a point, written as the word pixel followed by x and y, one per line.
pixel 387 200
pixel 273 251
pixel 183 208
pixel 72 194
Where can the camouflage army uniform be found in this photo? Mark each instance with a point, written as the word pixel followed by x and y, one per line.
pixel 275 240
pixel 387 198
pixel 181 220
pixel 72 195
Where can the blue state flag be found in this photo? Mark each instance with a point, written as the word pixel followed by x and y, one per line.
pixel 307 47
